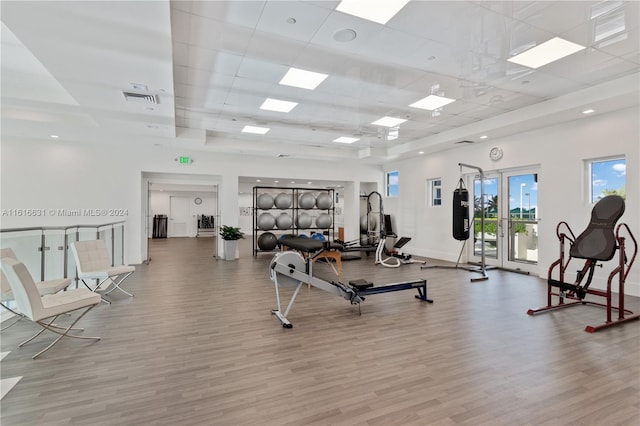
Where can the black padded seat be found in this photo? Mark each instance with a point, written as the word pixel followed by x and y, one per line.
pixel 361 284
pixel 598 240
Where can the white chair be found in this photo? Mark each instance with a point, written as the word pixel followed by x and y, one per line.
pixel 45 309
pixel 93 263
pixel 44 287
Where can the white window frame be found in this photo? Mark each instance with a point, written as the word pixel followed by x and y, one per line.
pixel 590 177
pixel 389 185
pixel 432 191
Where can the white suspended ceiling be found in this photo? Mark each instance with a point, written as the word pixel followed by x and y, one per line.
pixel 212 64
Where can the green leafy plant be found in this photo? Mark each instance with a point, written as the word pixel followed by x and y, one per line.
pixel 230 233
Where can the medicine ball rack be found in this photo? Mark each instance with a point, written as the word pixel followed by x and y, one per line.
pixel 294 210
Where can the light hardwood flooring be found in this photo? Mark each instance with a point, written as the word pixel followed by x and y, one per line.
pixel 197 345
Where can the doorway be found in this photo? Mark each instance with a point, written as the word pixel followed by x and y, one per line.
pixel 510 220
pixel 178 216
pixel 160 194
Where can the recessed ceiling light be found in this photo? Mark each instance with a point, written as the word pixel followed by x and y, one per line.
pixel 345 35
pixel 276 181
pixel 588 111
pixel 378 11
pixel 432 102
pixel 291 21
pixel 302 78
pixel 545 53
pixel 278 105
pixel 54 136
pixel 346 139
pixel 484 137
pixel 258 180
pixel 420 152
pixel 387 121
pixel 256 130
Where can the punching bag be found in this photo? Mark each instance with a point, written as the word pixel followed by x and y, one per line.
pixel 461 212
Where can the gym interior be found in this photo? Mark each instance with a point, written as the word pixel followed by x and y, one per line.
pixel 443 330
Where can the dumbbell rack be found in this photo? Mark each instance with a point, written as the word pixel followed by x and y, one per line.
pixel 294 210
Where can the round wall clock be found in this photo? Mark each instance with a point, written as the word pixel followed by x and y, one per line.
pixel 198 201
pixel 495 154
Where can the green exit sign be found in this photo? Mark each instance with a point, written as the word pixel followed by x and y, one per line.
pixel 184 160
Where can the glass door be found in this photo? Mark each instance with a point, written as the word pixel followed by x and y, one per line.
pixel 491 223
pixel 520 220
pixel 510 220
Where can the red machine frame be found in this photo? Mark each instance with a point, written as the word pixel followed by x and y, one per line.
pixel 576 292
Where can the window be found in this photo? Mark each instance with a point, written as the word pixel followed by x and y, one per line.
pixel 607 177
pixel 435 192
pixel 392 184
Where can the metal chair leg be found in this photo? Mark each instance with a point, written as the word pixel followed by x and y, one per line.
pixel 47 326
pixel 17 314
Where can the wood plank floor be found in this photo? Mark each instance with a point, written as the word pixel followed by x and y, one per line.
pixel 197 345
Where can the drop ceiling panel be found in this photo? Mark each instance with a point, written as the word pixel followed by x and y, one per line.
pixel 274 48
pixel 180 27
pixel 225 57
pixel 338 21
pixel 213 34
pixel 561 16
pixel 292 19
pixel 261 70
pixel 214 61
pixel 240 13
pixel 180 54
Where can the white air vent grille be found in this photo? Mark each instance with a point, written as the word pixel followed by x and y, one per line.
pixel 140 98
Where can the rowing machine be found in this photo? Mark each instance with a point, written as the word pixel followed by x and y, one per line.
pixel 290 270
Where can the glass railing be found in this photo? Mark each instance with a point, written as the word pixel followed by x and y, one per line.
pixel 46 251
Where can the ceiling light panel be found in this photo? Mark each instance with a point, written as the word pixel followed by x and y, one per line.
pixel 380 11
pixel 387 121
pixel 547 52
pixel 346 139
pixel 278 105
pixel 432 102
pixel 302 78
pixel 255 130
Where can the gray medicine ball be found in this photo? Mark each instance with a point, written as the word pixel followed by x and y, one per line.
pixel 323 221
pixel 323 201
pixel 266 221
pixel 267 241
pixel 283 200
pixel 265 201
pixel 304 220
pixel 284 221
pixel 307 200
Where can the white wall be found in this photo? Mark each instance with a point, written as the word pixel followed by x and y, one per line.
pixel 560 151
pixel 160 203
pixel 58 175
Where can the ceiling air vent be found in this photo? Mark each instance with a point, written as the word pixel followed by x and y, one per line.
pixel 140 98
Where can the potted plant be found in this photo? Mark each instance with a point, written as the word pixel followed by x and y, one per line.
pixel 230 235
